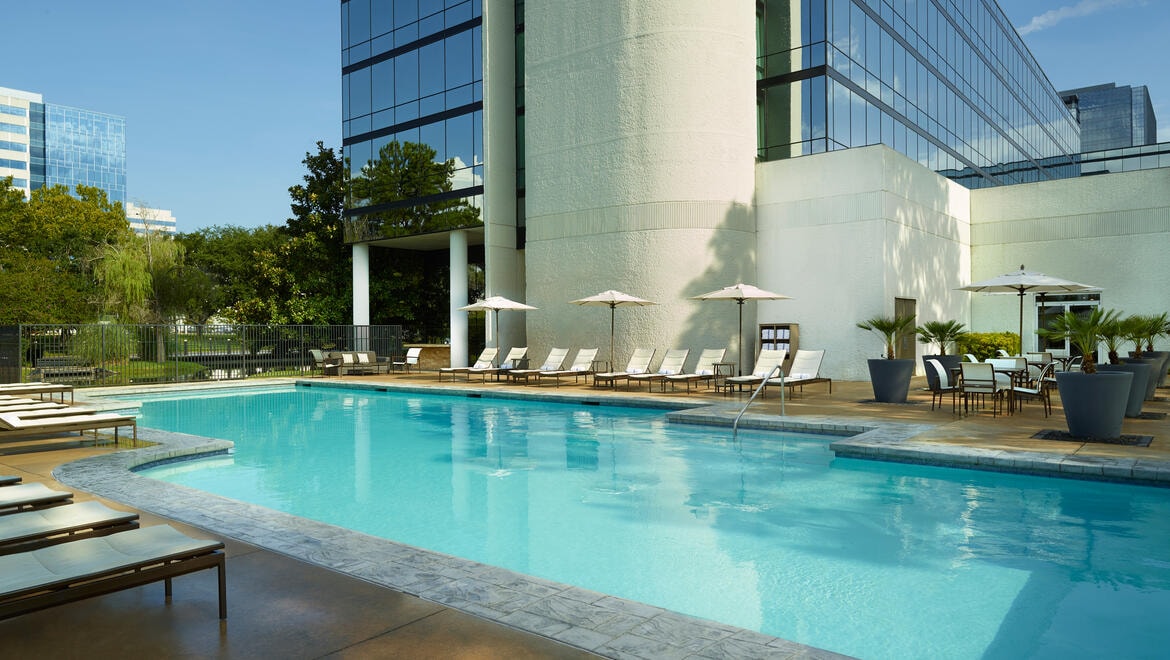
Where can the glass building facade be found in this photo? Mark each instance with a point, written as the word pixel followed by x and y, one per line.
pixel 412 73
pixel 81 147
pixel 948 83
pixel 1113 117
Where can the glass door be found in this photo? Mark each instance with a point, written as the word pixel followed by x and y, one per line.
pixel 1050 306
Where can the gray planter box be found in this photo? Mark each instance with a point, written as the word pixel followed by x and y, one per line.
pixel 1094 404
pixel 1138 388
pixel 890 379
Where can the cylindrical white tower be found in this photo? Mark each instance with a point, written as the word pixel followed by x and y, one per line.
pixel 640 143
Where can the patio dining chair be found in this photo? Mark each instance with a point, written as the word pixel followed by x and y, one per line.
pixel 942 386
pixel 1041 389
pixel 978 381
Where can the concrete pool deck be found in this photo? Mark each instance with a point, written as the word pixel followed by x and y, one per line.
pixel 303 589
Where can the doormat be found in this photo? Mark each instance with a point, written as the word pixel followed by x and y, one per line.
pixel 1130 440
pixel 1152 415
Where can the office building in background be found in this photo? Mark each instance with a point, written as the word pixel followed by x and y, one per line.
pixel 45 144
pixel 1112 116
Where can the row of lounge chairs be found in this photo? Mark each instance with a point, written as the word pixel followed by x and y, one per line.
pixel 22 416
pixel 805 369
pixel 54 551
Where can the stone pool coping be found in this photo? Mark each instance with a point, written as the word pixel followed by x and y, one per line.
pixel 589 620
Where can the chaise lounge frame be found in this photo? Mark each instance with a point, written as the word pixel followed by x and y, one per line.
pixel 109 575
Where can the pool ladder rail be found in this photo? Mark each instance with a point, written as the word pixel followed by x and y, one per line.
pixel 763 384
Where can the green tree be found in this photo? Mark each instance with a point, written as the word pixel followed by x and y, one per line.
pixel 49 244
pixel 305 276
pixel 222 260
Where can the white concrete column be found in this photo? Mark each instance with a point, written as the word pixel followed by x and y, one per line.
pixel 503 263
pixel 458 246
pixel 361 284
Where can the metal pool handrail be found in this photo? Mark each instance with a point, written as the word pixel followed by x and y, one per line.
pixel 763 384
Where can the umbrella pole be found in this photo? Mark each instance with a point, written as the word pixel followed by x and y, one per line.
pixel 496 316
pixel 739 340
pixel 612 357
pixel 1021 352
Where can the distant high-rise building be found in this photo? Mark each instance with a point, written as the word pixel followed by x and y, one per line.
pixel 16 130
pixel 144 219
pixel 1112 116
pixel 44 144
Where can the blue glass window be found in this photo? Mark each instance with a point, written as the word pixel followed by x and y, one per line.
pixel 13 128
pixel 14 110
pixel 14 146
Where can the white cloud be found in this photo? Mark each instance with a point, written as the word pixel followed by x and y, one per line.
pixel 1082 8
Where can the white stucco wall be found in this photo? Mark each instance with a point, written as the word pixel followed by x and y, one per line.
pixel 640 138
pixel 1110 231
pixel 844 234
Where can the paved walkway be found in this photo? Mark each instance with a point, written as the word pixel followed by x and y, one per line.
pixel 300 589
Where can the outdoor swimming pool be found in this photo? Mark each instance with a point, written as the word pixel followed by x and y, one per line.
pixel 770 533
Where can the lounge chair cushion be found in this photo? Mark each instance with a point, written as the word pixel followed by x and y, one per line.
pixel 363 358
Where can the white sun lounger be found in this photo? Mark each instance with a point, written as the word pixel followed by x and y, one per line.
pixel 30 530
pixel 30 496
pixel 639 364
pixel 24 389
pixel 16 425
pixel 704 369
pixel 672 365
pixel 582 365
pixel 67 572
pixel 556 360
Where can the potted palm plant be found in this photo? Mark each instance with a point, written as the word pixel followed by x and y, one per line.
pixel 1114 331
pixel 1156 326
pixel 1134 328
pixel 944 334
pixel 1094 402
pixel 890 377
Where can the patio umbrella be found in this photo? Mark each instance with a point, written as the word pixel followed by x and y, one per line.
pixel 1021 282
pixel 739 293
pixel 613 299
pixel 496 304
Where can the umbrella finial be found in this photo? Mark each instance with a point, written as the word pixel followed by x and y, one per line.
pixel 1021 266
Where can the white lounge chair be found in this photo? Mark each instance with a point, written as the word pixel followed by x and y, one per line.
pixel 805 370
pixel 486 360
pixel 672 365
pixel 59 574
pixel 512 360
pixel 555 361
pixel 14 425
pixel 639 364
pixel 30 496
pixel 30 530
pixel 581 366
pixel 766 365
pixel 411 359
pixel 51 389
pixel 704 369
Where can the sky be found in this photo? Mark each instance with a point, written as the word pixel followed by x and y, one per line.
pixel 223 99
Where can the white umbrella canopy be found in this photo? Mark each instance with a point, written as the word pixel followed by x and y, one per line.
pixel 613 299
pixel 496 304
pixel 1024 281
pixel 739 293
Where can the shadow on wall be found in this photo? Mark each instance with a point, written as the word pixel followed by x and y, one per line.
pixel 714 323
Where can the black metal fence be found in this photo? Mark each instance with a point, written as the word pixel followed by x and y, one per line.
pixel 113 354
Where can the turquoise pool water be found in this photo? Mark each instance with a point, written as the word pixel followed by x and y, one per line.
pixel 770 533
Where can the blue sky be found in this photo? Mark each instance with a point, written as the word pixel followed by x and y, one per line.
pixel 223 98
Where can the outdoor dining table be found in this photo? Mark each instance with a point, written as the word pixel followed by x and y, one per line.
pixel 1019 377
